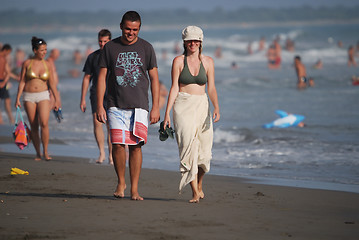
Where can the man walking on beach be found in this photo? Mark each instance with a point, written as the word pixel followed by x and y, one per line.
pixel 128 59
pixel 91 71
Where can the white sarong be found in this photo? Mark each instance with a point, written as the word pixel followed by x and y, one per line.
pixel 194 134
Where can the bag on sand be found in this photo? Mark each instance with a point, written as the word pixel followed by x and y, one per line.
pixel 21 131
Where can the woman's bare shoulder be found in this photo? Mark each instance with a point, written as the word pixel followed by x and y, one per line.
pixel 179 58
pixel 26 62
pixel 207 58
pixel 178 61
pixel 207 61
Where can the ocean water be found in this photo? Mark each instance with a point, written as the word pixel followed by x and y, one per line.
pixel 324 154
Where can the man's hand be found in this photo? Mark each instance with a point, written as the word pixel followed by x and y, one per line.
pixel 154 115
pixel 101 115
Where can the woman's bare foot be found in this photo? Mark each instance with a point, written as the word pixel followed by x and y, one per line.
pixel 120 191
pixel 38 158
pixel 136 197
pixel 201 195
pixel 194 200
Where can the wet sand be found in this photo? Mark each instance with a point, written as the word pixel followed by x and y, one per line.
pixel 69 198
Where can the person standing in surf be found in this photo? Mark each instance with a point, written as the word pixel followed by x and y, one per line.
pixel 301 73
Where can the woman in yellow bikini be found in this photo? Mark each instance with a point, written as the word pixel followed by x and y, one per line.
pixel 35 80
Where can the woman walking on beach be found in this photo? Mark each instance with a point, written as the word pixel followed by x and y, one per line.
pixel 35 80
pixel 191 72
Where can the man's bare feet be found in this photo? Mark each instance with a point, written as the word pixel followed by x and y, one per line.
pixel 118 195
pixel 100 159
pixel 120 191
pixel 136 197
pixel 47 157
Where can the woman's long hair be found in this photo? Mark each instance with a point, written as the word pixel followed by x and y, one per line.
pixel 37 42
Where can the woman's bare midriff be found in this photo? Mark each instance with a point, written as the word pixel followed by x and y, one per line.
pixel 193 89
pixel 35 85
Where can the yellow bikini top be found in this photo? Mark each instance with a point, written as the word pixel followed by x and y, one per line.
pixel 31 75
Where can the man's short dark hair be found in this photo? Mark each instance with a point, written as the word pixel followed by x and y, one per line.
pixel 131 16
pixel 104 33
pixel 6 47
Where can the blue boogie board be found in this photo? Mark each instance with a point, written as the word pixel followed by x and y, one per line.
pixel 285 120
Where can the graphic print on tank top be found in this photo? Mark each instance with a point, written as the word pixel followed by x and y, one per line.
pixel 128 69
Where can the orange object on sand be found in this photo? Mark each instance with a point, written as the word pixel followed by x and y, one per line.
pixel 21 131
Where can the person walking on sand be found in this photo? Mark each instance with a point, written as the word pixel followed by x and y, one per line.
pixel 5 74
pixel 54 55
pixel 91 71
pixel 301 73
pixel 36 80
pixel 191 73
pixel 131 63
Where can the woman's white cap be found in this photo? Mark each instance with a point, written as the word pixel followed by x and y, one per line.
pixel 192 33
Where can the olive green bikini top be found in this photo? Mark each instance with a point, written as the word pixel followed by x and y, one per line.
pixel 187 78
pixel 31 75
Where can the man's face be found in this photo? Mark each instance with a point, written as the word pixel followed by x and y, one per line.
pixel 8 52
pixel 130 31
pixel 102 41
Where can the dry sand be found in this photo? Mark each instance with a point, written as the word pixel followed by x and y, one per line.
pixel 69 198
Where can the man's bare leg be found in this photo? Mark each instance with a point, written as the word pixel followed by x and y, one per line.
pixel 135 164
pixel 100 138
pixel 8 110
pixel 119 157
pixel 1 121
pixel 110 159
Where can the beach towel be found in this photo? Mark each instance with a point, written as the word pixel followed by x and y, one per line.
pixel 21 131
pixel 194 134
pixel 128 126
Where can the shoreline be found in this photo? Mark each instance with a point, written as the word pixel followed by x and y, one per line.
pixel 67 198
pixel 60 150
